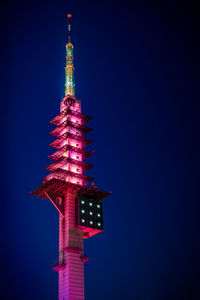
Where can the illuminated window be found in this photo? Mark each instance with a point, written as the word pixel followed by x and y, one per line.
pixel 83 211
pixel 90 204
pixel 99 215
pixel 98 205
pixel 91 213
pixel 99 224
pixel 91 222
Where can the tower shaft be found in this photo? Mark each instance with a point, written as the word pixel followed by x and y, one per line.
pixel 71 272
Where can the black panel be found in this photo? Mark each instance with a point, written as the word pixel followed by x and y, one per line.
pixel 89 213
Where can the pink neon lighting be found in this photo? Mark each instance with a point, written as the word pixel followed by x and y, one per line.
pixel 74 131
pixel 71 167
pixel 73 155
pixel 76 120
pixel 69 129
pixel 73 143
pixel 66 178
pixel 76 106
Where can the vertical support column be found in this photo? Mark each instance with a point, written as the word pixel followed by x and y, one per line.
pixel 71 274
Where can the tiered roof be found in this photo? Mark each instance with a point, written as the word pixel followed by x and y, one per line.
pixel 62 174
pixel 57 181
pixel 59 187
pixel 65 160
pixel 85 153
pixel 58 142
pixel 67 111
pixel 57 131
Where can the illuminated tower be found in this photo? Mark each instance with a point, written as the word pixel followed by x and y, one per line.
pixel 79 206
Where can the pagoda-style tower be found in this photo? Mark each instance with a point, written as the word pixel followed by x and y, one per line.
pixel 79 206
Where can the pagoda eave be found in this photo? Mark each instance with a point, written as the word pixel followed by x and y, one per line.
pixel 57 143
pixel 64 160
pixel 56 155
pixel 62 174
pixel 60 187
pixel 57 130
pixel 57 120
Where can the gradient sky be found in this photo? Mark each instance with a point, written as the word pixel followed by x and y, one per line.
pixel 136 71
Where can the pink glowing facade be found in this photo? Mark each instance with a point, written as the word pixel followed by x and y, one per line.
pixel 79 206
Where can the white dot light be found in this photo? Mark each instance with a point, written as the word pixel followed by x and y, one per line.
pixel 82 211
pixel 98 205
pixel 98 215
pixel 99 224
pixel 82 202
pixel 83 221
pixel 91 222
pixel 91 213
pixel 90 204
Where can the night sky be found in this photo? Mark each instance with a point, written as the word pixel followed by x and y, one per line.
pixel 136 72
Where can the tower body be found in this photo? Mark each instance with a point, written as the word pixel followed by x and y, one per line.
pixel 79 206
pixel 71 272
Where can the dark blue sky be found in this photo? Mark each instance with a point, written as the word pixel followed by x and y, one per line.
pixel 136 71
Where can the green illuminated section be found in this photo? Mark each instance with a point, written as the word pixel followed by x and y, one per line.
pixel 69 71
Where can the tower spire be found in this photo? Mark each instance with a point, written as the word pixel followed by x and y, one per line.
pixel 69 69
pixel 69 27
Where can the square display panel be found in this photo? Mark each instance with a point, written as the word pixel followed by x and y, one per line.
pixel 89 213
